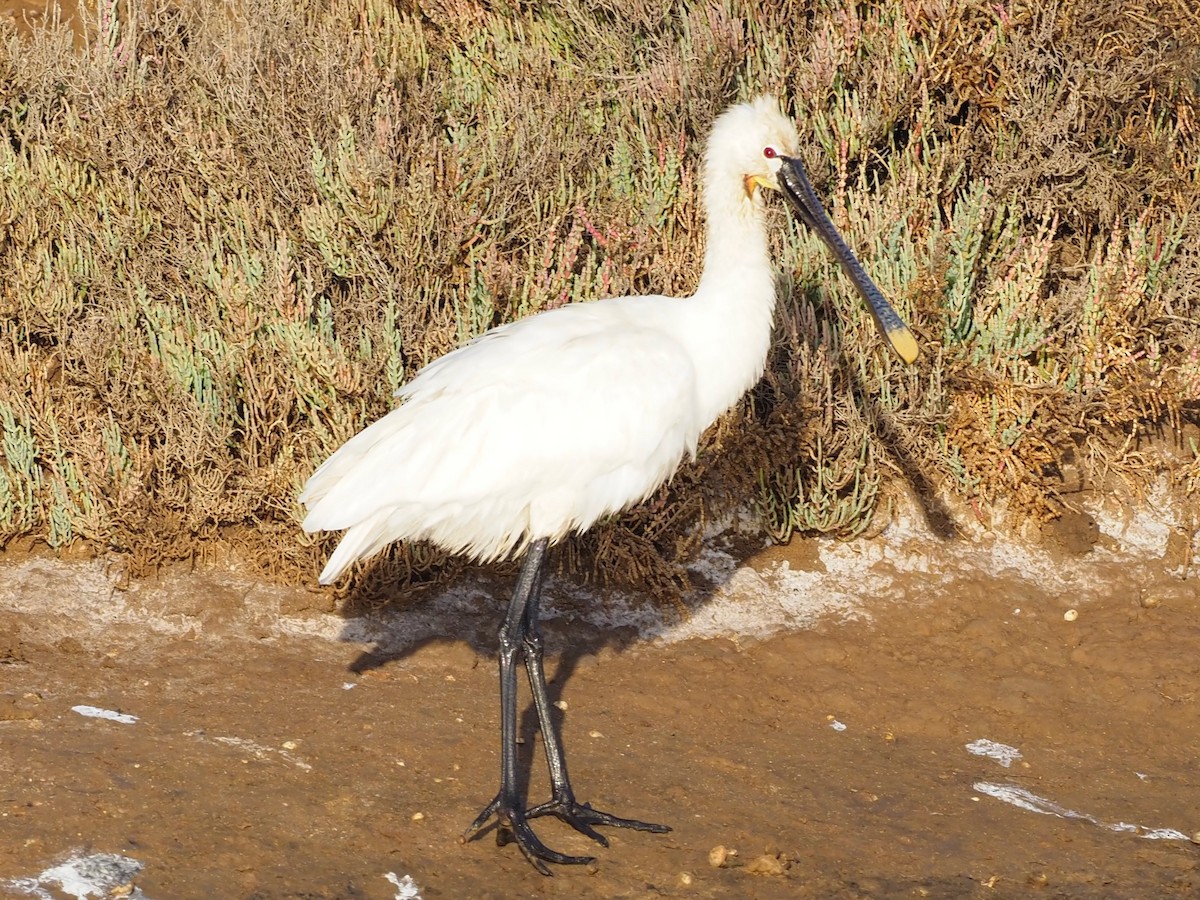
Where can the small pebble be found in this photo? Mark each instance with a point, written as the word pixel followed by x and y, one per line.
pixel 718 856
pixel 1149 601
pixel 289 745
pixel 1070 615
pixel 766 865
pixel 685 878
pixel 1196 838
pixel 418 816
pixel 561 704
pixel 595 734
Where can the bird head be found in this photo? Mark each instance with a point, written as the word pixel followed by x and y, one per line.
pixel 760 144
pixel 753 138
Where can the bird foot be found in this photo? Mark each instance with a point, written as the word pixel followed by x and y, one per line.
pixel 582 817
pixel 512 817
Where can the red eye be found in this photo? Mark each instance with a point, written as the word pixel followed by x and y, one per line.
pixel 769 152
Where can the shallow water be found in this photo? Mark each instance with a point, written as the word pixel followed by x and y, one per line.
pixel 857 754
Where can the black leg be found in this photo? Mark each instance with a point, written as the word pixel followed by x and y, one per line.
pixel 507 806
pixel 520 635
pixel 562 804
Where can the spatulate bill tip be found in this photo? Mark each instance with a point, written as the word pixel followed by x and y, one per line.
pixel 904 344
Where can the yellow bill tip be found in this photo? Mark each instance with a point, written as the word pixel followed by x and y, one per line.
pixel 904 344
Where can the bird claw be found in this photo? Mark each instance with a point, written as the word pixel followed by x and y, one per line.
pixel 582 817
pixel 515 820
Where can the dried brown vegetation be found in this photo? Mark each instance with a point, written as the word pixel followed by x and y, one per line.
pixel 228 233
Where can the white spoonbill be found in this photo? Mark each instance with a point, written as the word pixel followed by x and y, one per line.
pixel 540 427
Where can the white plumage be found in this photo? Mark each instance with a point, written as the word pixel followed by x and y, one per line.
pixel 542 426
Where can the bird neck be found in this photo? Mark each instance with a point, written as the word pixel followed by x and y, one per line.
pixel 733 307
pixel 737 262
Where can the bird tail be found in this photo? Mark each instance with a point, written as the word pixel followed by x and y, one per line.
pixel 360 541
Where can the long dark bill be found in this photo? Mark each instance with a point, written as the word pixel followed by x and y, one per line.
pixel 794 183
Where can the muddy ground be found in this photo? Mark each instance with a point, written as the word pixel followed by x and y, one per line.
pixel 281 751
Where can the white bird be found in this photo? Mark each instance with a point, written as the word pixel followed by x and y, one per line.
pixel 540 427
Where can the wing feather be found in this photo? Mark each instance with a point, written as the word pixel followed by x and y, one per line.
pixel 535 429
